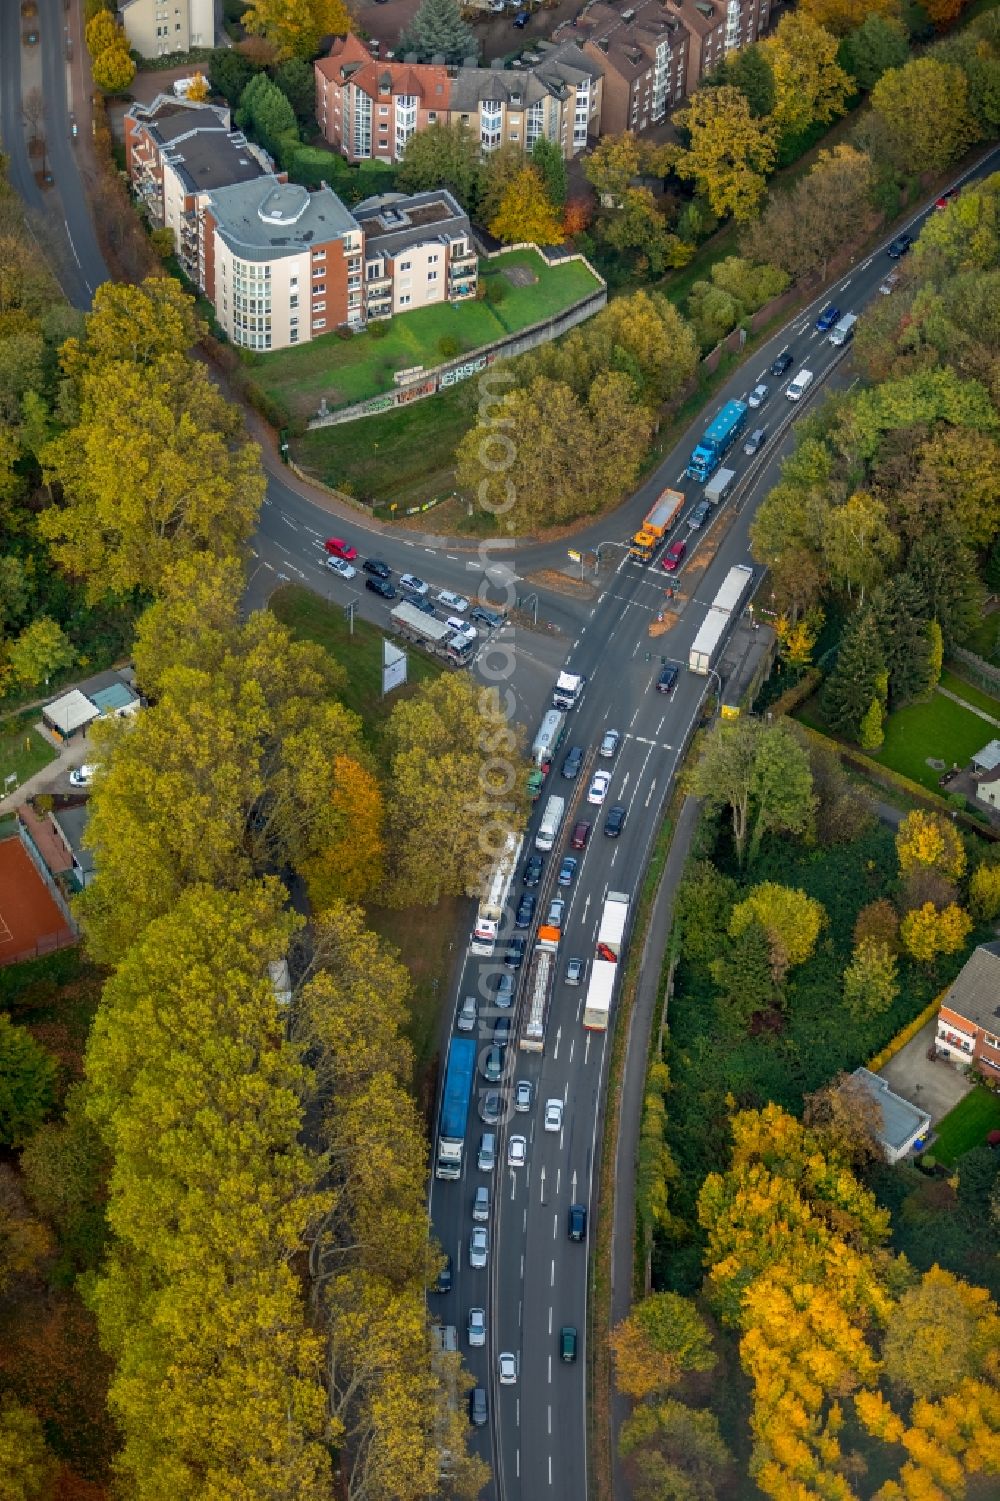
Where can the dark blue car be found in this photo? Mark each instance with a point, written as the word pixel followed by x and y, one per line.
pixel 828 317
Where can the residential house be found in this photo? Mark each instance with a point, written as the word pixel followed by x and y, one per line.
pixel 717 27
pixel 156 27
pixel 418 251
pixel 901 1124
pixel 177 152
pixel 643 55
pixel 968 1027
pixel 369 109
pixel 986 775
pixel 105 693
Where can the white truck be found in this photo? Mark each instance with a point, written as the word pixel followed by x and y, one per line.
pixel 798 387
pixel 726 605
pixel 568 690
pixel 604 970
pixel 552 819
pixel 417 625
pixel 550 733
pixel 719 485
pixel 843 331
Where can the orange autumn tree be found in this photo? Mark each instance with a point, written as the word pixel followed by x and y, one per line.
pixel 349 864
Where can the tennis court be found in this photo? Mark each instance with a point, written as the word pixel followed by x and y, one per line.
pixel 30 921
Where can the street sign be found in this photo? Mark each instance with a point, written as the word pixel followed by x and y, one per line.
pixel 574 557
pixel 393 667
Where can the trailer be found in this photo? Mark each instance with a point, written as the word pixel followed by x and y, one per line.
pixel 551 821
pixel 718 487
pixel 455 1098
pixel 541 979
pixel 656 525
pixel 716 440
pixel 549 738
pixel 493 902
pixel 604 970
pixel 418 626
pixel 707 644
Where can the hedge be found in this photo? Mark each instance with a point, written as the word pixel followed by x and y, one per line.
pixel 906 1035
pixel 797 693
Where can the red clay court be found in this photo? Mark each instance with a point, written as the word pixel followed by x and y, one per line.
pixel 30 921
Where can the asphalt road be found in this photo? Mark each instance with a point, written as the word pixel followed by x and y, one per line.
pixel 536 1279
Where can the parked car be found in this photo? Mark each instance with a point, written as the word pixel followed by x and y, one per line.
pixel 667 681
pixel 755 440
pixel 946 198
pixel 477 1327
pixel 489 618
pixel 423 605
pixel 338 548
pixel 467 1015
pixel 574 760
pixel 615 821
pixel 462 627
pixel 567 870
pixel 828 317
pixel 609 745
pixel 517 1151
pixel 553 1115
pixel 576 1226
pixel 782 363
pixel 381 587
pixel 899 246
pixel 339 566
pixel 700 515
pixel 598 789
pixel 525 910
pixel 450 601
pixel 758 395
pixel 574 971
pixel 521 19
pixel 673 557
pixel 414 584
pixel 82 776
pixel 522 1096
pixel 376 568
pixel 479 1247
pixel 532 872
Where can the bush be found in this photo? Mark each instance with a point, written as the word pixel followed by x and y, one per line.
pixel 448 346
pixel 496 289
pixel 902 1038
pixel 379 328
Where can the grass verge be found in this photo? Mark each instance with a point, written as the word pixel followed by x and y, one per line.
pixel 967 1125
pixel 937 729
pixel 598 1346
pixel 23 751
pixel 972 695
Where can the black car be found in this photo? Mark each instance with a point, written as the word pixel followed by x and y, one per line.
pixel 443 1283
pixel 573 762
pixel 488 618
pixel 577 1226
pixel 899 246
pixel 501 1031
pixel 755 440
pixel 782 363
pixel 423 605
pixel 492 1063
pixel 490 1110
pixel 515 953
pixel 381 587
pixel 377 568
pixel 532 873
pixel 615 821
pixel 525 911
pixel 478 1410
pixel 667 681
pixel 700 514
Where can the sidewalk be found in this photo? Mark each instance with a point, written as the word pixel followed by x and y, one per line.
pixel 623 1238
pixel 74 754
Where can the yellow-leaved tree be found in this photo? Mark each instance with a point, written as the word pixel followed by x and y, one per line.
pixel 929 841
pixel 809 83
pixel 926 932
pixel 731 151
pixel 297 27
pixel 663 1337
pixel 791 919
pixel 525 212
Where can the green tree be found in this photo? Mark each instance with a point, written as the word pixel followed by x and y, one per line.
pixel 941 1332
pixel 870 980
pixel 745 977
pixel 662 1338
pixel 547 158
pixel 900 611
pixel 843 16
pixel 645 335
pixel 42 649
pixel 704 901
pixel 636 224
pixel 267 111
pixel 750 72
pixel 27 1468
pixel 297 27
pixel 65 1169
pixel 731 152
pixel 799 231
pixel 27 1084
pixel 677 1451
pixel 437 27
pixel 873 48
pixel 229 72
pixel 442 156
pixel 858 678
pixel 871 733
pixel 297 81
pixel 925 111
pixel 762 773
pixel 525 212
pixel 859 547
pixel 612 165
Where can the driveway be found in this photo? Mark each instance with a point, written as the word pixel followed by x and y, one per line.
pixel 934 1087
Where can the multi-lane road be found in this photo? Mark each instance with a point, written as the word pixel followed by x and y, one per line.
pixel 536 1278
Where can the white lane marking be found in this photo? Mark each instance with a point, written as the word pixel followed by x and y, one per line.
pixel 555 1226
pixel 550 1469
pixel 625 782
pixel 652 789
pixel 549 1409
pixel 867 263
pixel 311 531
pixel 572 1045
pixel 559 1169
pixel 452 556
pixel 552 1275
pixel 517 1412
pixel 550 1321
pixel 289 522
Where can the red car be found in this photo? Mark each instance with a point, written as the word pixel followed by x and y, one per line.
pixel 673 557
pixel 341 549
pixel 944 201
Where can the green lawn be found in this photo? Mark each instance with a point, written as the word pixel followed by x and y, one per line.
pixel 352 369
pixel 971 694
pixel 313 619
pixel 967 1125
pixel 22 749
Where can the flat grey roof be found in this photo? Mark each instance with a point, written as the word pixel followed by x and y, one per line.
pixel 70 712
pixel 988 759
pixel 73 822
pixel 392 224
pixel 216 158
pixel 267 218
pixel 902 1122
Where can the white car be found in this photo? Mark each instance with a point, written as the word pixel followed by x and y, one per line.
pixel 415 585
pixel 598 789
pixel 479 1247
pixel 82 776
pixel 341 566
pixel 609 744
pixel 553 1115
pixel 507 1367
pixel 462 627
pixel 477 1327
pixel 517 1154
pixel 758 395
pixel 451 601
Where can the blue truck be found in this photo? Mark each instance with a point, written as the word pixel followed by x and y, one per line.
pixel 455 1098
pixel 716 440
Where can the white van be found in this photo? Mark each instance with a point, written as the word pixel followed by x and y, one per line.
pixel 844 330
pixel 800 385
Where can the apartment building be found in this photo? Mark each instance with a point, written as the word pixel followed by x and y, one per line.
pixel 418 251
pixel 156 27
pixel 177 152
pixel 717 27
pixel 968 1026
pixel 643 55
pixel 369 109
pixel 280 264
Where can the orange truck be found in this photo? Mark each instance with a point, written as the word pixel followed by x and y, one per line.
pixel 656 525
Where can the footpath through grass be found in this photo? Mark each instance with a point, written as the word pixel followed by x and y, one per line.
pixel 23 751
pixel 967 1126
pixel 345 370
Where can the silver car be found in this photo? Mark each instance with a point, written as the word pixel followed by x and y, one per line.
pixel 758 395
pixel 522 1096
pixel 479 1248
pixel 467 1015
pixel 609 744
pixel 574 971
pixel 477 1327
